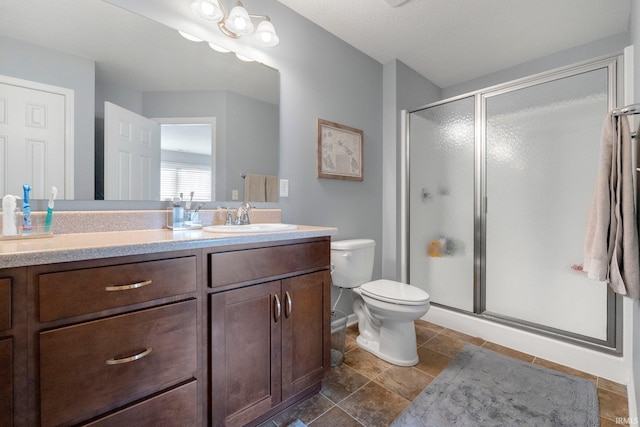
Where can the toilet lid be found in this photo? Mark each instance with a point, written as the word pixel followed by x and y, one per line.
pixel 394 292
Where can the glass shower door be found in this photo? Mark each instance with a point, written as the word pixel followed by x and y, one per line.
pixel 441 202
pixel 541 156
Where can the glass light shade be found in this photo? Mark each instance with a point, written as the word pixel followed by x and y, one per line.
pixel 244 58
pixel 266 34
pixel 209 10
pixel 239 21
pixel 218 48
pixel 189 36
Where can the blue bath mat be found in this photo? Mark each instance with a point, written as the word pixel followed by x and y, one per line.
pixel 481 388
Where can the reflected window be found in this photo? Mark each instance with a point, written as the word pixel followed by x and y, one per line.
pixel 184 178
pixel 186 160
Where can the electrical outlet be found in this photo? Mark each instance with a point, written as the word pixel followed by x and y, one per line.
pixel 284 188
pixel 234 194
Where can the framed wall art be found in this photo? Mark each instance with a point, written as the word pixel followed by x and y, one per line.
pixel 339 151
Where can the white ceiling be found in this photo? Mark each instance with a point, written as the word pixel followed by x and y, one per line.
pixel 453 41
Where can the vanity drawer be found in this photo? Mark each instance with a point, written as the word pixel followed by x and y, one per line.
pixel 5 304
pixel 177 407
pixel 252 264
pixel 91 368
pixel 71 293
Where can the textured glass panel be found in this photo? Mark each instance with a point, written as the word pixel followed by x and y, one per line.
pixel 542 154
pixel 441 185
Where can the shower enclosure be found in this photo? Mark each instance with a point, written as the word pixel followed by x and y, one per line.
pixel 499 186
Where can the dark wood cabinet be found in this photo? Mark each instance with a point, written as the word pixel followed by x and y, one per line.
pixel 13 347
pixel 116 341
pixel 269 341
pixel 224 336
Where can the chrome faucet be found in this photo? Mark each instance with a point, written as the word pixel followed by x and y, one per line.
pixel 229 220
pixel 242 214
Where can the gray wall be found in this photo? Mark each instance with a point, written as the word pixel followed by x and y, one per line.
pixel 31 62
pixel 236 148
pixel 404 89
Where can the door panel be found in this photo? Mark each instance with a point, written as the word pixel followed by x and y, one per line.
pixel 32 139
pixel 131 155
pixel 245 349
pixel 305 331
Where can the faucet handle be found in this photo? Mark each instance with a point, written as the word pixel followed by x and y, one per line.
pixel 229 219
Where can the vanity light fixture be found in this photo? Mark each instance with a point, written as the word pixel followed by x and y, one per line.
pixel 189 36
pixel 238 22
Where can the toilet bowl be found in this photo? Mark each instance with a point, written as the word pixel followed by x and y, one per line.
pixel 385 309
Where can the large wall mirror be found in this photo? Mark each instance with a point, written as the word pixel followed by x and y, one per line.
pixel 210 111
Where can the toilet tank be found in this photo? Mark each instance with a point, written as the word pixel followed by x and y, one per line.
pixel 352 262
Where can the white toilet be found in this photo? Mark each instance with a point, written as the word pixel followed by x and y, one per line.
pixel 385 309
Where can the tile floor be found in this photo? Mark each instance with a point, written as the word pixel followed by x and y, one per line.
pixel 367 391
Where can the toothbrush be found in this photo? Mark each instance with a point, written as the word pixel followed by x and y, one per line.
pixel 26 210
pixel 47 222
pixel 188 203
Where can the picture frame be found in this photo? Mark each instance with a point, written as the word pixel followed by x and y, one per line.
pixel 340 151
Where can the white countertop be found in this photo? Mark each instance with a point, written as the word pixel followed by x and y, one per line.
pixel 84 246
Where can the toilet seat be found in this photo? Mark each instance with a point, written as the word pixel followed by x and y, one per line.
pixel 394 292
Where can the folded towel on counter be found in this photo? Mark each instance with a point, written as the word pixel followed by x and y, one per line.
pixel 611 243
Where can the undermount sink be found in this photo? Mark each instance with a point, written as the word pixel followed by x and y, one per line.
pixel 250 228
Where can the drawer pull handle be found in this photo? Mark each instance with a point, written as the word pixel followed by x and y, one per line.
pixel 127 287
pixel 287 308
pixel 140 355
pixel 277 308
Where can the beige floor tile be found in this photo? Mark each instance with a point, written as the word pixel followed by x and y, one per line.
pixel 612 406
pixel 431 361
pixel 424 334
pixel 617 388
pixel 365 363
pixel 508 351
pixel 430 325
pixel 446 345
pixel 407 382
pixel 374 406
pixel 565 369
pixel 335 417
pixel 306 411
pixel 463 337
pixel 341 382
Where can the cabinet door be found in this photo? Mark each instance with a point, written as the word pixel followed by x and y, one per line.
pixel 306 339
pixel 245 353
pixel 6 382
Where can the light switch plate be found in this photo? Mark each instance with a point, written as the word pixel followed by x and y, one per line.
pixel 234 194
pixel 284 188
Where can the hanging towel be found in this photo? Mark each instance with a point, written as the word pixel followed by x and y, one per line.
pixel 254 188
pixel 611 243
pixel 272 188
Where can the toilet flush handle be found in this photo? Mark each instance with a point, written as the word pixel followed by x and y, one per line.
pixel 347 255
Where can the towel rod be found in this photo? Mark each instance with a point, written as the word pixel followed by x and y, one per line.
pixel 628 110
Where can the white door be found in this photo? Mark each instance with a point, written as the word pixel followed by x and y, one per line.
pixel 131 155
pixel 36 138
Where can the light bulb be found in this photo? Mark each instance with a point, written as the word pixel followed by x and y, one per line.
pixel 209 10
pixel 239 21
pixel 266 34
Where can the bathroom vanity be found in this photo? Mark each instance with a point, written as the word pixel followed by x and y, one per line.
pixel 162 328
